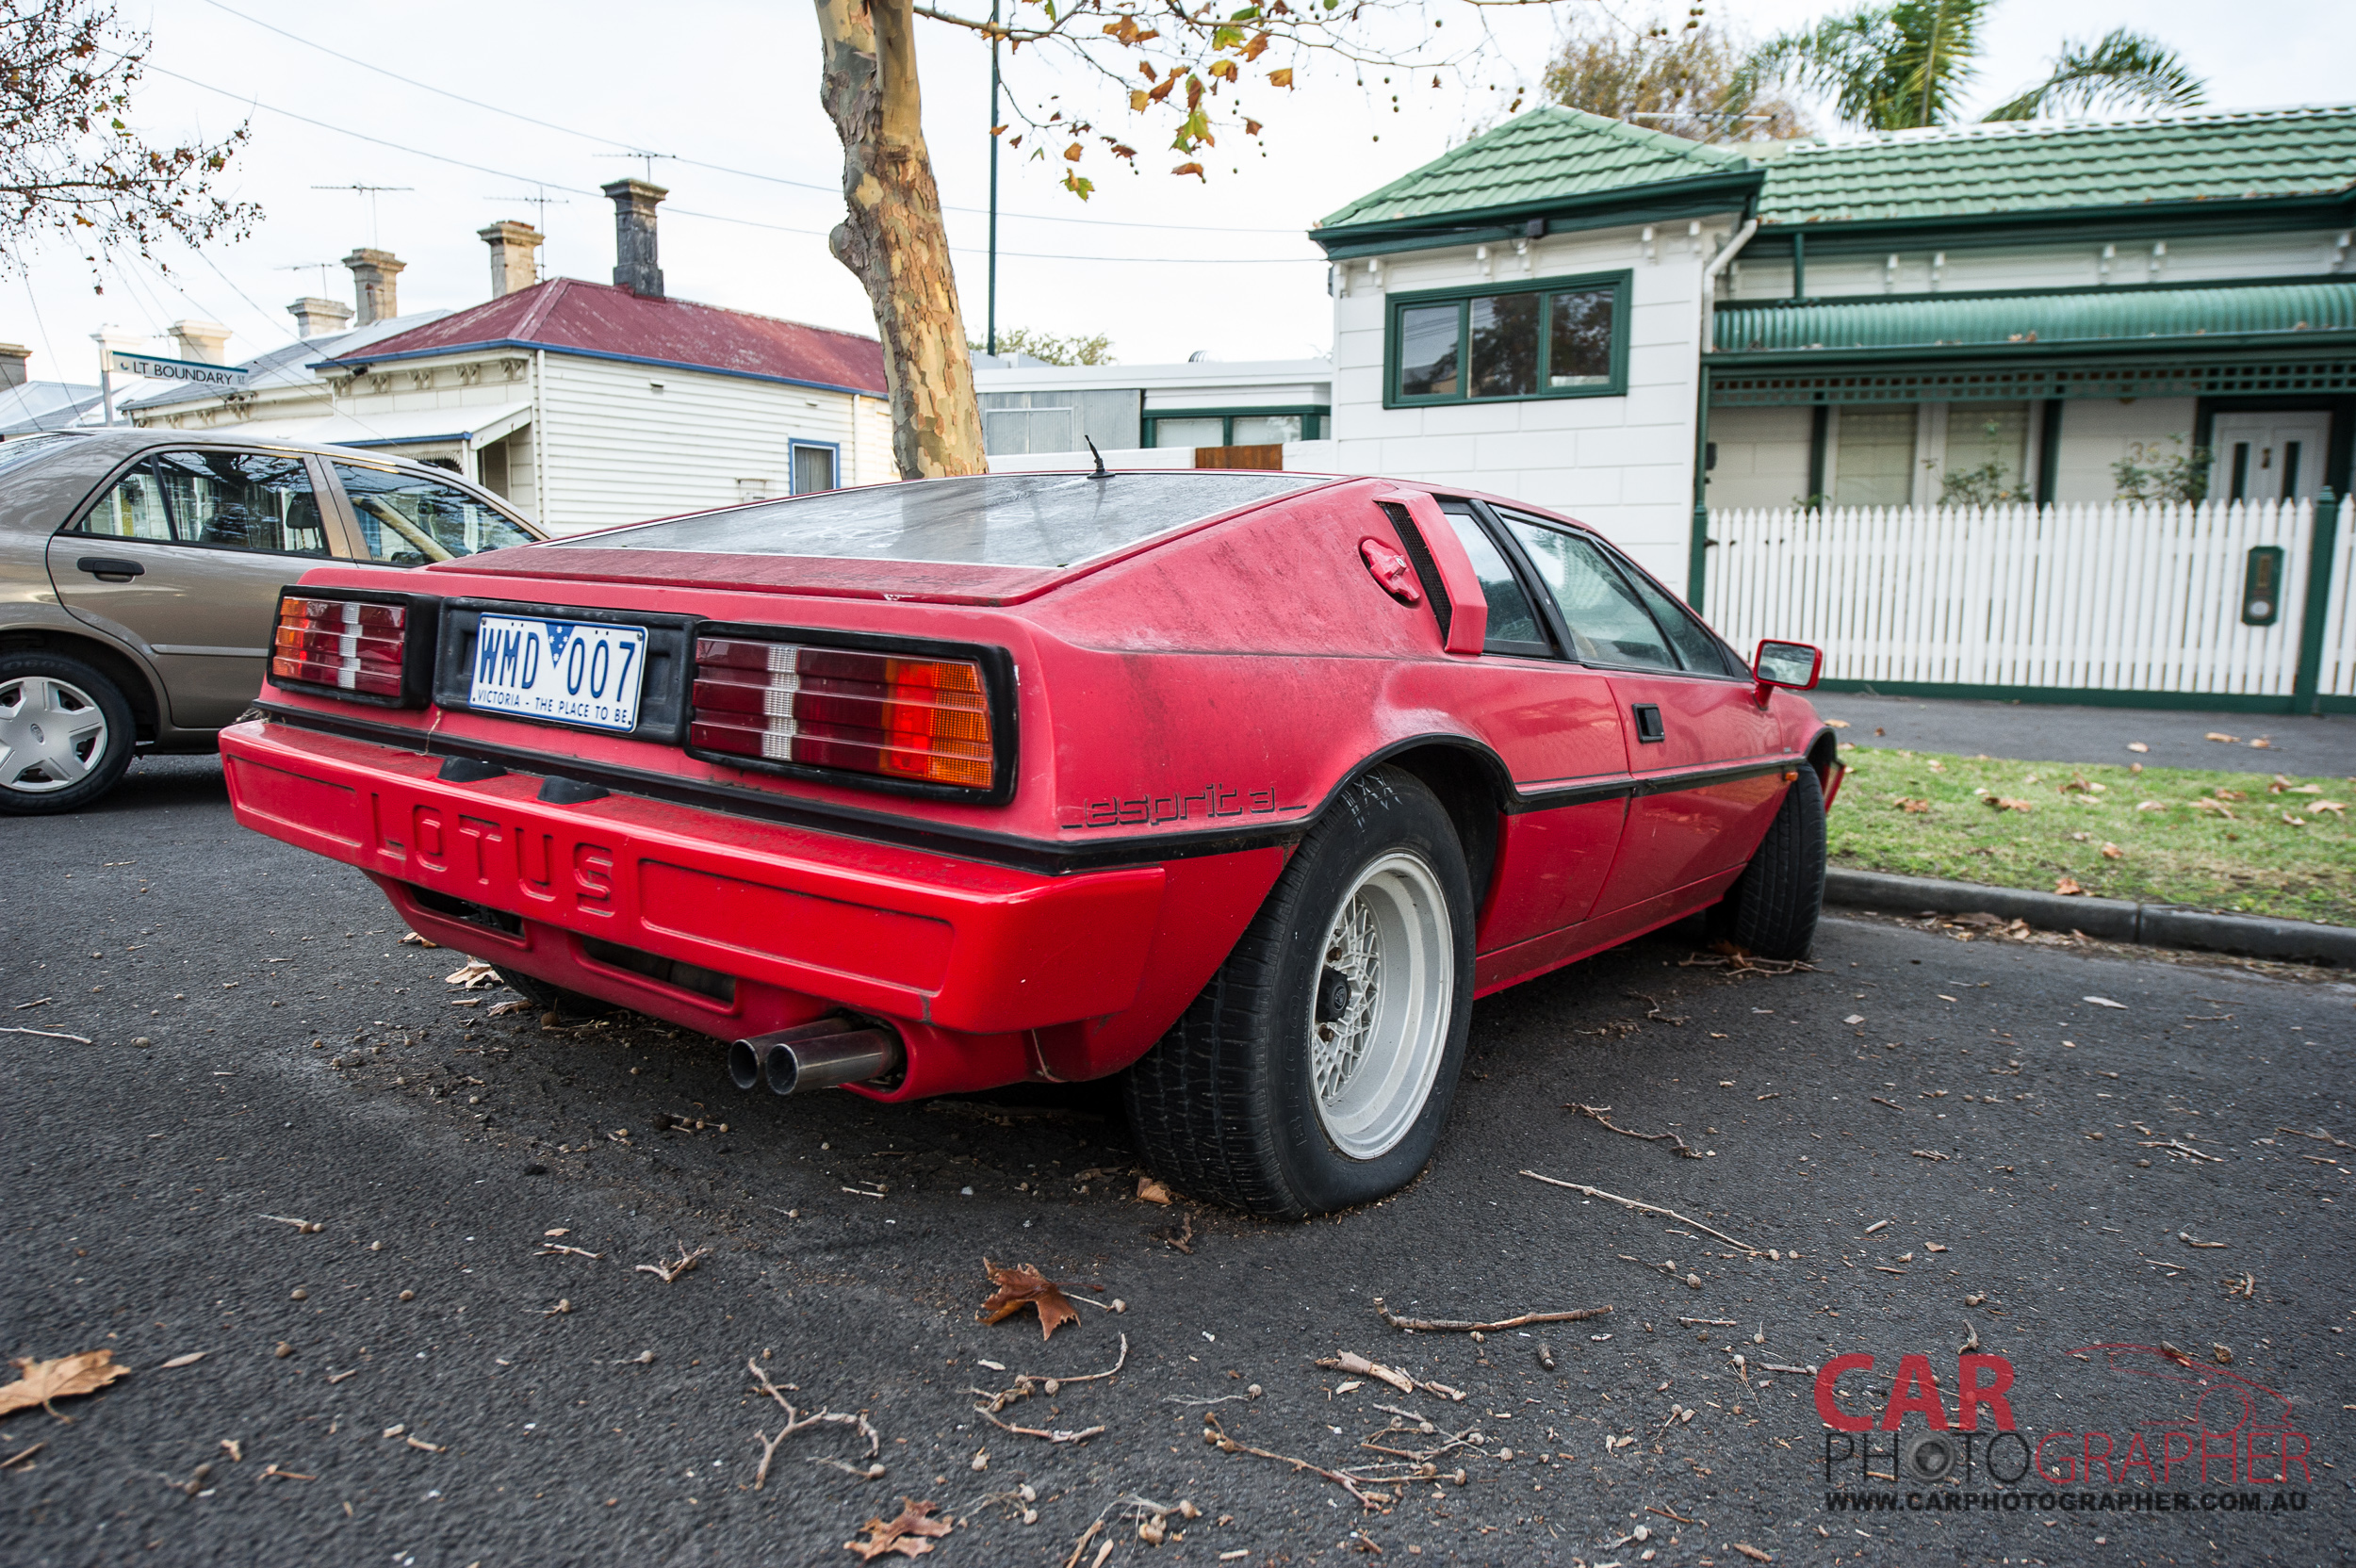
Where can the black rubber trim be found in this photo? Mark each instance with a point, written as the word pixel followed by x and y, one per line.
pixel 1054 858
pixel 418 638
pixel 1427 570
pixel 997 667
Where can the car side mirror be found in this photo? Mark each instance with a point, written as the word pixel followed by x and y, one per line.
pixel 1794 666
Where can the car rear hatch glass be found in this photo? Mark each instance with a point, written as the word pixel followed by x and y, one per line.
pixel 1005 520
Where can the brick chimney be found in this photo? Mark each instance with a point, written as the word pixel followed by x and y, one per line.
pixel 374 287
pixel 206 342
pixel 315 317
pixel 13 358
pixel 512 265
pixel 635 268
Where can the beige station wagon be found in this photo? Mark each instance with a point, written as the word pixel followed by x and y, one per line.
pixel 140 574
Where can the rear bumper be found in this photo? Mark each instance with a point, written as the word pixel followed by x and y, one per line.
pixel 775 924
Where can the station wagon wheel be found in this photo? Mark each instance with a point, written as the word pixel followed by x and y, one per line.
pixel 65 734
pixel 1316 1070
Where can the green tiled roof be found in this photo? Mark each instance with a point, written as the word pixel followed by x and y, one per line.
pixel 1558 156
pixel 1549 154
pixel 2042 167
pixel 2116 317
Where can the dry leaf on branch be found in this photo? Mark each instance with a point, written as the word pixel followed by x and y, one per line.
pixel 905 1535
pixel 40 1381
pixel 1024 1286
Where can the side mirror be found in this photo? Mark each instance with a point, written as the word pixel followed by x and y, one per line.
pixel 1793 665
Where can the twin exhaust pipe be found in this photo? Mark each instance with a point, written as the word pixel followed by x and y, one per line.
pixel 821 1056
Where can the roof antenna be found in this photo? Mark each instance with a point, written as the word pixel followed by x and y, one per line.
pixel 1099 456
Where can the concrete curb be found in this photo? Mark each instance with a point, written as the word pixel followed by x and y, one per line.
pixel 2109 919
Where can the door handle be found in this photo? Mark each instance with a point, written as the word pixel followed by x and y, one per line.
pixel 104 567
pixel 1648 726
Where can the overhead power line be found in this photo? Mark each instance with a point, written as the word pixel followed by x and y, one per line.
pixel 629 151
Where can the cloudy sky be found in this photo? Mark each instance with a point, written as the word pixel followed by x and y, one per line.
pixel 563 92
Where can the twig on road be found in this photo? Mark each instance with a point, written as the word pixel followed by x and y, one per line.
pixel 1678 1145
pixel 666 1272
pixel 796 1422
pixel 1217 1437
pixel 49 1034
pixel 1058 1435
pixel 1646 1208
pixel 1449 1325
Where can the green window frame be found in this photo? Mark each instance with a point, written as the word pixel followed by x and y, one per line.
pixel 1519 372
pixel 1311 415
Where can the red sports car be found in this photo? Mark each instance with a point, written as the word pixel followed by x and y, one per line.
pixel 1241 785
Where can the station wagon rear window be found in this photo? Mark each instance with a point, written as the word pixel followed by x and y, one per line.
pixel 984 520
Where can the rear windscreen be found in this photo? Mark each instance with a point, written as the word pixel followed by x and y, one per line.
pixel 986 520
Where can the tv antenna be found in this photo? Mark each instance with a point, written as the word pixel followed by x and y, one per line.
pixel 643 156
pixel 540 205
pixel 371 192
pixel 307 266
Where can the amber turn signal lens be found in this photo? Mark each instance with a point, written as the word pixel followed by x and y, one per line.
pixel 926 720
pixel 345 643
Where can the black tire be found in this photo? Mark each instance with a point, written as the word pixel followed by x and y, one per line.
pixel 552 999
pixel 1225 1106
pixel 1772 908
pixel 74 692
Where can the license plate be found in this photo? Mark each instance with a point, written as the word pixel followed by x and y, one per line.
pixel 586 673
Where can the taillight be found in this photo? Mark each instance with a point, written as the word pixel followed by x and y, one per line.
pixel 920 720
pixel 357 646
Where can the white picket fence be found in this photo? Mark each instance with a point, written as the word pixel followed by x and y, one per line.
pixel 2115 598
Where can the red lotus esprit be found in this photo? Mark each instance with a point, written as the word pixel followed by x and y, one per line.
pixel 1242 785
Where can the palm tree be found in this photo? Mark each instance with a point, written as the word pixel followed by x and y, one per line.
pixel 1906 64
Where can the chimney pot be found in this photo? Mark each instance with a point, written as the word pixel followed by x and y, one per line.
pixel 636 268
pixel 373 286
pixel 206 342
pixel 13 358
pixel 513 268
pixel 317 318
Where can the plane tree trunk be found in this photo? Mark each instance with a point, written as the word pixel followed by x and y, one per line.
pixel 892 237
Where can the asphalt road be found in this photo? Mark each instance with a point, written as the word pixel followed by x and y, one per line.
pixel 1970 1155
pixel 2050 732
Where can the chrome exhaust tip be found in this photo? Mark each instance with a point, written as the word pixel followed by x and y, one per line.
pixel 819 1055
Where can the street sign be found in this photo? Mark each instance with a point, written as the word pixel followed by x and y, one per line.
pixel 129 363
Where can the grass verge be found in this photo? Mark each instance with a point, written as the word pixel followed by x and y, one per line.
pixel 2234 841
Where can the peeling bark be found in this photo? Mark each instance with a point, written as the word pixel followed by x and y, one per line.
pixel 892 237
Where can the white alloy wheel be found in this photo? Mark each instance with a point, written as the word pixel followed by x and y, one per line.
pixel 1381 1010
pixel 52 734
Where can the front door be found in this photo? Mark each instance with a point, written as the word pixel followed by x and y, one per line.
pixel 184 557
pixel 2269 457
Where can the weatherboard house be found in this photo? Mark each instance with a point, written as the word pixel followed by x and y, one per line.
pixel 1641 330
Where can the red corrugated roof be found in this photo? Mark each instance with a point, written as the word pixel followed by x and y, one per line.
pixel 567 314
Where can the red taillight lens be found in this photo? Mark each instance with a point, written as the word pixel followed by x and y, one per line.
pixel 346 644
pixel 926 720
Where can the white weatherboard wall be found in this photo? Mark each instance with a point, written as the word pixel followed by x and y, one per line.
pixel 2119 597
pixel 624 442
pixel 1624 464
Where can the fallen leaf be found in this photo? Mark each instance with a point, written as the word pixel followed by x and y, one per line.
pixel 2334 806
pixel 2068 886
pixel 1854 1018
pixel 474 975
pixel 2221 1354
pixel 40 1381
pixel 2138 745
pixel 1151 1191
pixel 2104 1002
pixel 1024 1286
pixel 410 938
pixel 2005 803
pixel 2228 740
pixel 1752 1552
pixel 2112 852
pixel 189 1359
pixel 1910 806
pixel 2262 744
pixel 905 1535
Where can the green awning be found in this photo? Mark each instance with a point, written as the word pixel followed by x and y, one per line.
pixel 2139 316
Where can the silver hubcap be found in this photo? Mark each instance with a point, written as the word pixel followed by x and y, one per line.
pixel 1379 1014
pixel 52 734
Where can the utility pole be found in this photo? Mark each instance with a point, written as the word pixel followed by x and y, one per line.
pixel 989 340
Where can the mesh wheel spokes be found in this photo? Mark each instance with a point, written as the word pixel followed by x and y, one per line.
pixel 1374 1058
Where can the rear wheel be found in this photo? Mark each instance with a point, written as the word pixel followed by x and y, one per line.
pixel 66 734
pixel 1772 908
pixel 1317 1069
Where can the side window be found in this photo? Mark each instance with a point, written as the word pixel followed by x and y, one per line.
pixel 1694 645
pixel 813 469
pixel 1514 625
pixel 1607 624
pixel 134 509
pixel 258 501
pixel 408 520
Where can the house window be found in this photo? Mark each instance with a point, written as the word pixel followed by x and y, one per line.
pixel 814 467
pixel 1562 338
pixel 1874 463
pixel 1235 427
